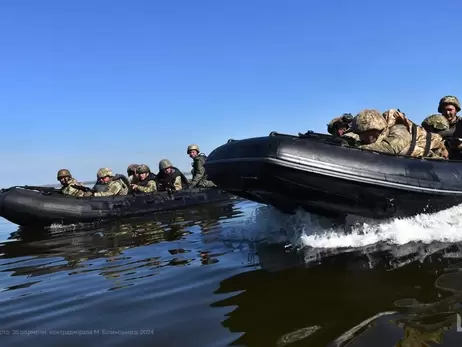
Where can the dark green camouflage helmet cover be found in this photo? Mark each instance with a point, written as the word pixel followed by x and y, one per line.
pixel 164 164
pixel 435 122
pixel 143 169
pixel 448 99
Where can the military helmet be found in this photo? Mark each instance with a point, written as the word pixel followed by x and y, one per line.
pixel 448 99
pixel 164 163
pixel 143 169
pixel 338 122
pixel 192 148
pixel 131 168
pixel 368 119
pixel 63 173
pixel 435 121
pixel 104 172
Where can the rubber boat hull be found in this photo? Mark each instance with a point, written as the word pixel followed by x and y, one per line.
pixel 36 209
pixel 324 175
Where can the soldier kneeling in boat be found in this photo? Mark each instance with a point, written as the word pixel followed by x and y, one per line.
pixel 68 182
pixel 146 180
pixel 199 176
pixel 169 177
pixel 113 185
pixel 392 132
pixel 341 127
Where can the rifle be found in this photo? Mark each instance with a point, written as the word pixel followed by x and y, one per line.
pixel 83 188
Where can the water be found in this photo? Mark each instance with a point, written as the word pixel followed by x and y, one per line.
pixel 237 274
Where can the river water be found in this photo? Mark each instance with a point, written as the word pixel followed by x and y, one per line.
pixel 234 274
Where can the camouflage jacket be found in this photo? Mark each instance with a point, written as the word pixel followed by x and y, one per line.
pixel 115 187
pixel 69 190
pixel 150 187
pixel 177 183
pixel 199 178
pixel 397 138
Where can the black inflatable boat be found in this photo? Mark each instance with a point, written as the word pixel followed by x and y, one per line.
pixel 39 207
pixel 322 174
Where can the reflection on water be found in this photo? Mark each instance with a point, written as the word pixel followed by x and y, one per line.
pixel 350 297
pixel 178 279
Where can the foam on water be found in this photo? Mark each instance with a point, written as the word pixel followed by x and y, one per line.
pixel 444 226
pixel 304 229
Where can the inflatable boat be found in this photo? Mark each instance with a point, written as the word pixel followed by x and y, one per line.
pixel 324 175
pixel 43 206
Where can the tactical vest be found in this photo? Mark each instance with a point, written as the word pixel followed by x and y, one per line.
pixel 167 180
pixel 144 183
pixel 102 187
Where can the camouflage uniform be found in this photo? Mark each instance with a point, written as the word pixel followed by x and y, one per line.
pixel 115 187
pixel 199 176
pixel 67 188
pixel 396 136
pixel 148 187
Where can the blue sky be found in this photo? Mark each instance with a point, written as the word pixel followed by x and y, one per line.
pixel 88 84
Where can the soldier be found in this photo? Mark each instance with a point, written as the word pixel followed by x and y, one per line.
pixel 341 127
pixel 449 106
pixel 67 181
pixel 169 177
pixel 131 173
pixel 146 182
pixel 199 177
pixel 113 186
pixel 391 132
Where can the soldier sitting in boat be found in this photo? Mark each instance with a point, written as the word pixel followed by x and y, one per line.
pixel 392 132
pixel 449 106
pixel 146 180
pixel 199 176
pixel 109 184
pixel 69 183
pixel 341 127
pixel 131 173
pixel 169 177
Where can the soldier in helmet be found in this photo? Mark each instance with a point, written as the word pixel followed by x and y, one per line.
pixel 67 181
pixel 170 177
pixel 146 180
pixel 448 106
pixel 341 127
pixel 391 132
pixel 131 173
pixel 112 186
pixel 199 176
